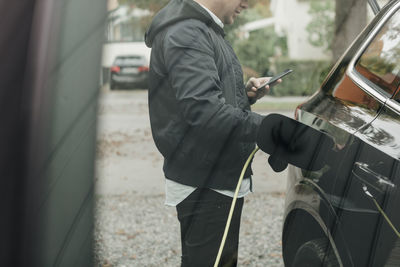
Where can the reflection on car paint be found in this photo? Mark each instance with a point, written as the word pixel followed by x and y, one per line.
pixel 349 205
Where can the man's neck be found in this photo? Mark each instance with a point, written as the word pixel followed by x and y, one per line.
pixel 204 3
pixel 208 6
pixel 211 5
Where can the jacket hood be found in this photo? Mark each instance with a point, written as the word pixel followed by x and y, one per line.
pixel 175 11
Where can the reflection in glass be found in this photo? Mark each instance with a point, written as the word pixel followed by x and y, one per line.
pixel 397 96
pixel 381 61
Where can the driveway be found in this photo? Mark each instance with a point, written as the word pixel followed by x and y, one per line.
pixel 127 159
pixel 133 227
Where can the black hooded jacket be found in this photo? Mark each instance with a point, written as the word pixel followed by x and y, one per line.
pixel 199 110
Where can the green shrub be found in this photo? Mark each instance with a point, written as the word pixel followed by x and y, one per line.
pixel 305 79
pixel 258 56
pixel 255 51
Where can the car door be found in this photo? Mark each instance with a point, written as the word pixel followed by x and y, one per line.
pixel 382 178
pixel 374 150
pixel 350 103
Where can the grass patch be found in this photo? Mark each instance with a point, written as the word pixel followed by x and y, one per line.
pixel 274 106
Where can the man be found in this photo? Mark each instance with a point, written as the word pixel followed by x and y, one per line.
pixel 201 122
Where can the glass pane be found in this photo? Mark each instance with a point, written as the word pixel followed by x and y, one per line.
pixel 381 61
pixel 397 96
pixel 127 61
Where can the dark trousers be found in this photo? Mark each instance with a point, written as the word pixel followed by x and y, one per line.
pixel 202 216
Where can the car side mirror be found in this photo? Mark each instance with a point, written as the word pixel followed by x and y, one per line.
pixel 288 141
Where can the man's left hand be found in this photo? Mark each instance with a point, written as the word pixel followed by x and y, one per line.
pixel 253 84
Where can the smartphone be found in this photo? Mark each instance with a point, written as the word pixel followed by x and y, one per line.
pixel 273 80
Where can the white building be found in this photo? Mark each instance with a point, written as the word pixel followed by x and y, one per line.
pixel 112 50
pixel 121 21
pixel 292 17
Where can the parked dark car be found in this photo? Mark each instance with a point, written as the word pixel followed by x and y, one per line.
pixel 331 218
pixel 129 71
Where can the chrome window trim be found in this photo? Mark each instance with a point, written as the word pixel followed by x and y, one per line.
pixel 393 105
pixel 364 84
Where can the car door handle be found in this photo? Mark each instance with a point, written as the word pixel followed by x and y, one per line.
pixel 369 177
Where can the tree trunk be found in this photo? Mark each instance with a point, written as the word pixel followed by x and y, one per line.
pixel 351 18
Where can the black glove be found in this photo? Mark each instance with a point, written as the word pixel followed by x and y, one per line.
pixel 290 141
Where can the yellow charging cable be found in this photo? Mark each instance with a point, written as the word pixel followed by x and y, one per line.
pixel 228 222
pixel 221 247
pixel 381 210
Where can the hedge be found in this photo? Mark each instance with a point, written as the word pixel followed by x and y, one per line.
pixel 305 79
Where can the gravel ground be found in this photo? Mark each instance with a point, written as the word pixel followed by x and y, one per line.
pixel 135 230
pixel 133 227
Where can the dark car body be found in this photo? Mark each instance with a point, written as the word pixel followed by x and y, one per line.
pixel 330 217
pixel 129 71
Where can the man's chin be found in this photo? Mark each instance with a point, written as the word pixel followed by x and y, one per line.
pixel 229 21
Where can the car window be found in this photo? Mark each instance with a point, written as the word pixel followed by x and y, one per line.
pixel 397 96
pixel 125 61
pixel 380 63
